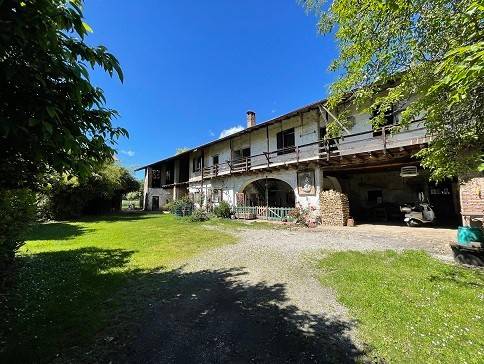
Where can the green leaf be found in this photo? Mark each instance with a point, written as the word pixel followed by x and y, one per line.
pixel 87 27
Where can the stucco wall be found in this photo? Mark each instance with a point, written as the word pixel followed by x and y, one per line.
pixel 305 131
pixel 236 183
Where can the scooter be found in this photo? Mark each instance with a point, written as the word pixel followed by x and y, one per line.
pixel 418 214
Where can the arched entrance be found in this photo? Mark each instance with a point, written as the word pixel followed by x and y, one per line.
pixel 269 192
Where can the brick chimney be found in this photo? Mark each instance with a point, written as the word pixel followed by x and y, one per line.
pixel 250 119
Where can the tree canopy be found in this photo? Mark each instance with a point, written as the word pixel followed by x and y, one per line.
pixel 101 191
pixel 52 118
pixel 424 58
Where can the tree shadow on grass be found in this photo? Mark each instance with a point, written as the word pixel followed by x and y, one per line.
pixel 56 231
pixel 119 216
pixel 68 230
pixel 459 277
pixel 57 300
pixel 85 306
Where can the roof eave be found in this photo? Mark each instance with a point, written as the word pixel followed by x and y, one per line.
pixel 239 133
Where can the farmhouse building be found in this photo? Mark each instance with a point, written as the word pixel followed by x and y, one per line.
pixel 288 161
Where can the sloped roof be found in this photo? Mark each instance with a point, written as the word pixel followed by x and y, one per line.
pixel 264 124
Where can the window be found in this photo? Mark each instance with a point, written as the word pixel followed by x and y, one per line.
pixel 242 153
pixel 389 119
pixel 216 195
pixel 215 160
pixel 197 163
pixel 155 178
pixel 285 141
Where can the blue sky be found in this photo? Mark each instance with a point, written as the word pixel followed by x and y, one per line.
pixel 193 68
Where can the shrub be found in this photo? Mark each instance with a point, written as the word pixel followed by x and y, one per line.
pixel 17 213
pixel 223 210
pixel 302 216
pixel 299 215
pixel 100 192
pixel 181 207
pixel 169 206
pixel 198 216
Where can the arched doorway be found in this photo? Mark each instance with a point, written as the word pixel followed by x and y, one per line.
pixel 269 192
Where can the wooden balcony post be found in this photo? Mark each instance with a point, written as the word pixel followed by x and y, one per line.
pixel 266 154
pixel 267 199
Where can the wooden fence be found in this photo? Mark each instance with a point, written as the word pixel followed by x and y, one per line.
pixel 262 212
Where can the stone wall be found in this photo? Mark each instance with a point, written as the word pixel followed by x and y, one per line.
pixel 164 194
pixel 334 208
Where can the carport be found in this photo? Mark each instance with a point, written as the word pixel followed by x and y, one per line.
pixel 376 194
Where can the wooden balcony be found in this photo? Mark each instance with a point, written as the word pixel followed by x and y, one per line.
pixel 359 148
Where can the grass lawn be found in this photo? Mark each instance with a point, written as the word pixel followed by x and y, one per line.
pixel 69 275
pixel 409 307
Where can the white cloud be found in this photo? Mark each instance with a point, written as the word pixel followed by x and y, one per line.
pixel 230 131
pixel 128 152
pixel 212 134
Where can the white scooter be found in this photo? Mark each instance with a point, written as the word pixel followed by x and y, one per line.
pixel 418 214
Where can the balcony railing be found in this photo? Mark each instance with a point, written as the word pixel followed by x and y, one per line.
pixel 324 149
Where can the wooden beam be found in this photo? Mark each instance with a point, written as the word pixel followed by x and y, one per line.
pixel 356 157
pixel 375 166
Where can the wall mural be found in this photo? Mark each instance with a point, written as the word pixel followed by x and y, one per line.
pixel 306 183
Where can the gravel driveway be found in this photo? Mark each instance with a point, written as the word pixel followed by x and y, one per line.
pixel 259 300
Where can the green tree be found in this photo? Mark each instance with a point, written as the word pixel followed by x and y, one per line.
pixel 52 118
pixel 428 52
pixel 99 192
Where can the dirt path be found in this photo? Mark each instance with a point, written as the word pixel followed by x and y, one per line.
pixel 260 300
pixel 256 301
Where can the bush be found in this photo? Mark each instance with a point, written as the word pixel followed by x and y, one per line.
pixel 302 216
pixel 169 207
pixel 223 210
pixel 17 213
pixel 198 216
pixel 100 192
pixel 181 207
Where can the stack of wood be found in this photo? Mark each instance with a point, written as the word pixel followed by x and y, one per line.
pixel 335 208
